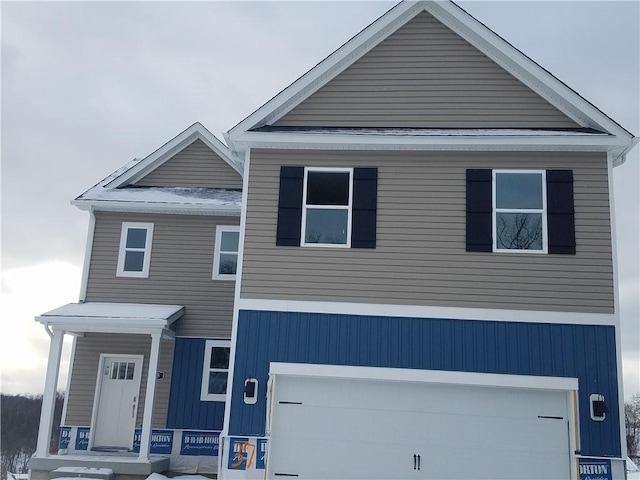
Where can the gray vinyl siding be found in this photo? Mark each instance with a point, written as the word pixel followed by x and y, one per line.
pixel 425 76
pixel 180 271
pixel 421 257
pixel 195 166
pixel 85 367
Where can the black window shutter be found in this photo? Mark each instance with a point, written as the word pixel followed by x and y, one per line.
pixel 290 206
pixel 365 204
pixel 479 211
pixel 560 212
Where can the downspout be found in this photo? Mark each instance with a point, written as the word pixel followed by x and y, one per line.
pixel 612 158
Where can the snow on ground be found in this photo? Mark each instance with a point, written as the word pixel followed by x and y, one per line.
pixel 157 476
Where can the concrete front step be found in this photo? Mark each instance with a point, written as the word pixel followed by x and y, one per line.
pixel 122 466
pixel 84 472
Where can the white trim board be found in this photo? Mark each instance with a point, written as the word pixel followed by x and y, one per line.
pixel 418 311
pixel 477 34
pixel 493 142
pixel 423 376
pixel 147 207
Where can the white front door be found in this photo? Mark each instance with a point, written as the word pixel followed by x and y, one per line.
pixel 117 401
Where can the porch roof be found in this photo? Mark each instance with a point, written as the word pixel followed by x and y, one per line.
pixel 101 317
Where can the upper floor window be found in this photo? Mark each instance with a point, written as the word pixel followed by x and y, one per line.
pixel 326 217
pixel 327 207
pixel 225 258
pixel 135 250
pixel 519 211
pixel 215 370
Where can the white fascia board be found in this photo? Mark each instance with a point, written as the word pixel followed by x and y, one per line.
pixel 525 69
pixel 620 155
pixel 130 207
pixel 388 142
pixel 145 326
pixel 195 132
pixel 424 376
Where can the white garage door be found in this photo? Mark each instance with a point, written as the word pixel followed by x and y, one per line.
pixel 329 428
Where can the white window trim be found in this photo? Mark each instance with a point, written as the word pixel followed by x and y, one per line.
pixel 542 211
pixel 205 396
pixel 120 272
pixel 220 229
pixel 348 207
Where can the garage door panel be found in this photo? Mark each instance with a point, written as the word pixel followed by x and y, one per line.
pixel 367 394
pixel 370 429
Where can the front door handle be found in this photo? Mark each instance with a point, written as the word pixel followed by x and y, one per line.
pixel 133 408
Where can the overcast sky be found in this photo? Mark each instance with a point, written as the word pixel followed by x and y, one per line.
pixel 87 86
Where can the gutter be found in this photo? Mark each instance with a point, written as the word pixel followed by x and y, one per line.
pixel 620 155
pixel 115 206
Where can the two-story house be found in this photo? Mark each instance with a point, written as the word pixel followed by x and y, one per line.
pixel 427 276
pixel 157 296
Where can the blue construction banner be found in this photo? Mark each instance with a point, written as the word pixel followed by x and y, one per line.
pixel 261 460
pixel 595 469
pixel 161 441
pixel 82 438
pixel 200 443
pixel 65 438
pixel 241 453
pixel 247 453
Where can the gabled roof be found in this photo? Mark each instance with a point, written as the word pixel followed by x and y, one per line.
pixel 477 34
pixel 117 192
pixel 195 132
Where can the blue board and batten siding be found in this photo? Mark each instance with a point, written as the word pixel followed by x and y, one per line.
pixel 186 410
pixel 586 352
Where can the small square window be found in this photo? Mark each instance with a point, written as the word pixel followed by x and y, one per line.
pixel 215 370
pixel 327 204
pixel 135 250
pixel 519 211
pixel 225 257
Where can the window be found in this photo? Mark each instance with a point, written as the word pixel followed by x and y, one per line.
pixel 519 211
pixel 326 216
pixel 121 370
pixel 135 250
pixel 328 207
pixel 215 370
pixel 225 257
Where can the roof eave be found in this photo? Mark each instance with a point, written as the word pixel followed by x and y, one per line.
pixel 80 324
pixel 149 207
pixel 389 142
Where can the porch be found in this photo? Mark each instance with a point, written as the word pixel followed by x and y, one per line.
pixel 108 318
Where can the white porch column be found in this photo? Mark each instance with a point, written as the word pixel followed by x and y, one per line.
pixel 49 396
pixel 145 438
